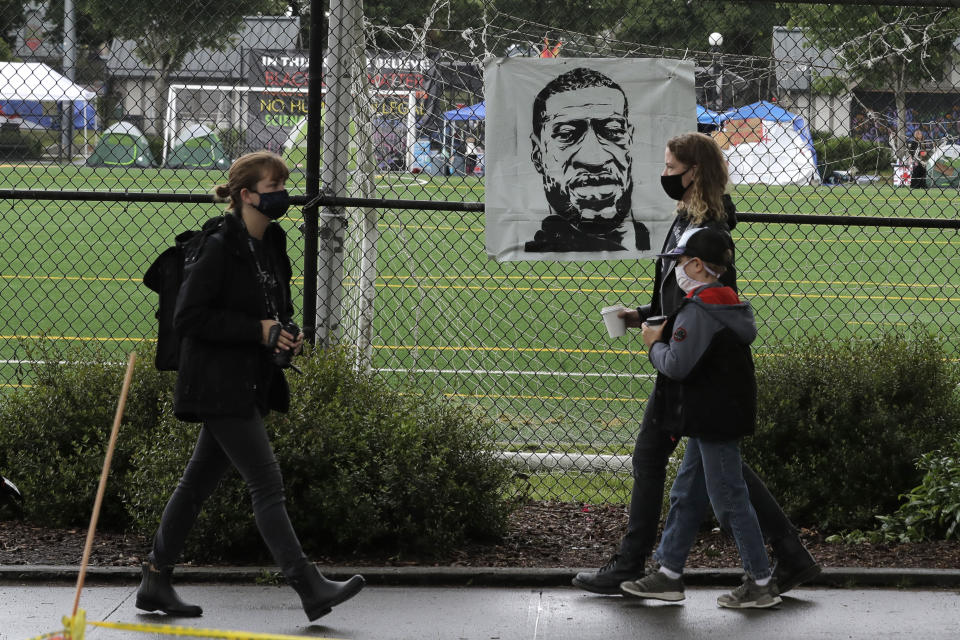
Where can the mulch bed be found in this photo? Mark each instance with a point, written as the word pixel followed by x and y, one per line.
pixel 541 534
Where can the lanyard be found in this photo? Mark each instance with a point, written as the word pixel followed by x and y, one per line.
pixel 264 278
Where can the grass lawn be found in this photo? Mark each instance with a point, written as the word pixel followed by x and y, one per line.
pixel 522 340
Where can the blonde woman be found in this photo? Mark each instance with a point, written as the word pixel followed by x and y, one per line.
pixel 695 175
pixel 234 299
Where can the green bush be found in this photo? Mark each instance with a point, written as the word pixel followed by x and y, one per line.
pixel 931 511
pixel 841 425
pixel 372 467
pixel 56 433
pixel 365 467
pixel 841 153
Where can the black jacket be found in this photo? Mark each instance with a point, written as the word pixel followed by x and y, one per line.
pixel 667 295
pixel 706 386
pixel 224 368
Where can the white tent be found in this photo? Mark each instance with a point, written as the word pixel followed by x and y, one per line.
pixel 36 82
pixel 943 167
pixel 766 144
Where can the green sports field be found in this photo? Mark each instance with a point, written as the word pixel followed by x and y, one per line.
pixel 522 340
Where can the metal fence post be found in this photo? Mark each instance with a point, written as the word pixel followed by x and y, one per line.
pixel 69 70
pixel 340 69
pixel 312 187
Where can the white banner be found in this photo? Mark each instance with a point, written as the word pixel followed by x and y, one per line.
pixel 574 152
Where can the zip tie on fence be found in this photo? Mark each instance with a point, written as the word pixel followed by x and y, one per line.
pixel 198 633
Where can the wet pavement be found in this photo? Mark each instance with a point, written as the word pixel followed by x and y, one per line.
pixel 419 612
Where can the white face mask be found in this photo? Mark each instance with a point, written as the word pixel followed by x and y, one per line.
pixel 686 283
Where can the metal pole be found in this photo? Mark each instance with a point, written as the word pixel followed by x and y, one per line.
pixel 341 68
pixel 314 116
pixel 69 70
pixel 368 233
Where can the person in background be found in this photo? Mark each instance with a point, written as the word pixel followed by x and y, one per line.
pixel 919 152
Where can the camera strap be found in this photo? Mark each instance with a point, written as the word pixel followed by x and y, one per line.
pixel 264 278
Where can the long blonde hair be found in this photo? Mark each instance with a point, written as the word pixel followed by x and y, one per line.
pixel 709 180
pixel 246 172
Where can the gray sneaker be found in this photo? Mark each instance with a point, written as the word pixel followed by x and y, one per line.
pixel 750 595
pixel 657 586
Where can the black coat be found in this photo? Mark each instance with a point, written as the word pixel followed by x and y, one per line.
pixel 667 294
pixel 224 368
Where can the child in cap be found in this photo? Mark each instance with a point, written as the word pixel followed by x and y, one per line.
pixel 706 390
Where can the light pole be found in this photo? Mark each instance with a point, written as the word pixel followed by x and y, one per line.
pixel 716 41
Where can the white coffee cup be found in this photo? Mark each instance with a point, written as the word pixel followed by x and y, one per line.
pixel 616 327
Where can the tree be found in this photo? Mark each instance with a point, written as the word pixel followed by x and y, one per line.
pixel 893 48
pixel 678 24
pixel 11 19
pixel 165 34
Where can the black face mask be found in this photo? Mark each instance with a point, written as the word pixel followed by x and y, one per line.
pixel 273 204
pixel 673 185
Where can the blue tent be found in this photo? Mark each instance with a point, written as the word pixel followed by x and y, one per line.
pixel 84 113
pixel 708 116
pixel 769 111
pixel 470 112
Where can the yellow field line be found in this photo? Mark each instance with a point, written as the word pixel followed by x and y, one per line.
pixel 819 295
pixel 573 398
pixel 403 347
pixel 867 283
pixel 87 278
pixel 894 241
pixel 489 277
pixel 76 338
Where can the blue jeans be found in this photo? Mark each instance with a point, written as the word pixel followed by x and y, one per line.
pixel 650 457
pixel 712 473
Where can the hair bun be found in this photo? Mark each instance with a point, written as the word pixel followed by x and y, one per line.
pixel 221 193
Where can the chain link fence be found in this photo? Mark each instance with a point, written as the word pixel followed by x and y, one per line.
pixel 839 121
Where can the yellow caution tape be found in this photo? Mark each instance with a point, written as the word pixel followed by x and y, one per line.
pixel 197 633
pixel 72 628
pixel 74 625
pixel 53 635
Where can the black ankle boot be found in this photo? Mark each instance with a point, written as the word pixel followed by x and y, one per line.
pixel 793 563
pixel 157 594
pixel 606 580
pixel 320 595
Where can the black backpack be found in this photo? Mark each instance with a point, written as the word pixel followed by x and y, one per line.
pixel 165 276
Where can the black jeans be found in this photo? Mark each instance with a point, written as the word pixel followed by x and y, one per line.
pixel 244 444
pixel 650 457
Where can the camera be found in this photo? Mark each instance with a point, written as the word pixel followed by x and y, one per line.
pixel 284 357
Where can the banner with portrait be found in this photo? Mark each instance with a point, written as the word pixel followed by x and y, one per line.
pixel 574 153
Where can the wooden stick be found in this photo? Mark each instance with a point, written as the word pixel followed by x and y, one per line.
pixel 103 479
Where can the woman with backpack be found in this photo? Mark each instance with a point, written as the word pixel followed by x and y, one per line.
pixel 233 315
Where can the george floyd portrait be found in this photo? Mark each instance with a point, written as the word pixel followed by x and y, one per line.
pixel 581 148
pixel 574 150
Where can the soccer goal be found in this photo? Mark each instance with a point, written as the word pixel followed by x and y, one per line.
pixel 253 117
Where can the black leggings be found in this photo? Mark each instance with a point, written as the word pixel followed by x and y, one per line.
pixel 243 443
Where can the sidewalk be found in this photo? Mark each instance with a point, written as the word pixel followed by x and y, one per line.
pixel 477 576
pixel 418 603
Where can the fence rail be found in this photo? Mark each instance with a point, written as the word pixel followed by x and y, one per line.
pixel 847 215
